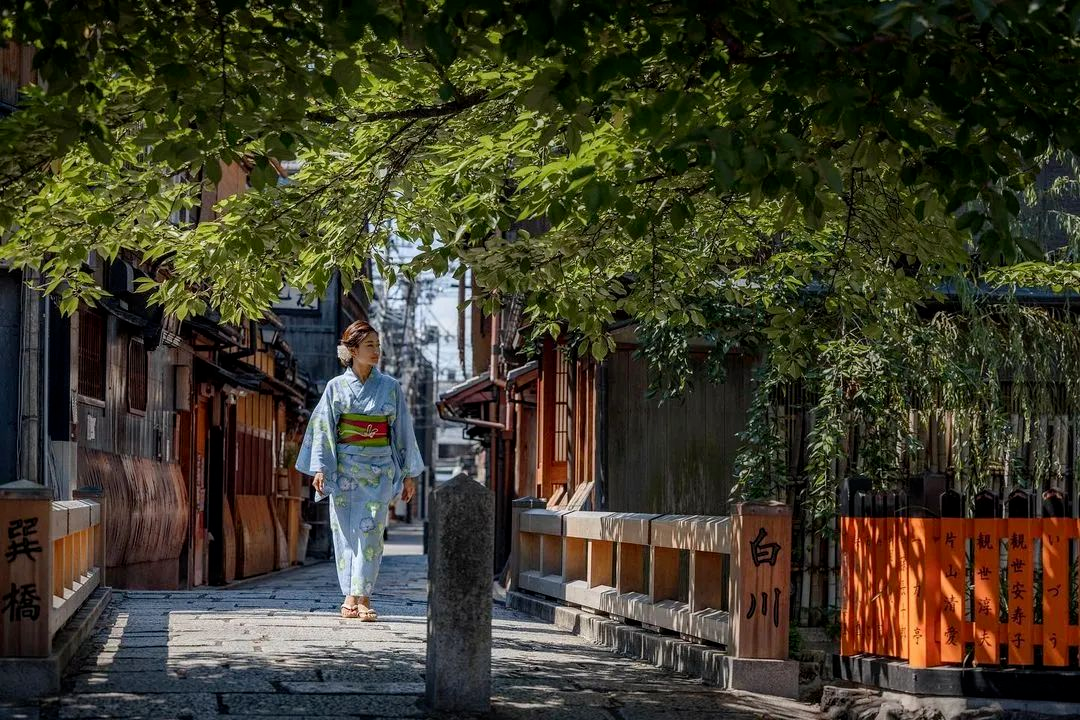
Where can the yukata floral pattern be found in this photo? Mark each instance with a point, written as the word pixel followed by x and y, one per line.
pixel 361 481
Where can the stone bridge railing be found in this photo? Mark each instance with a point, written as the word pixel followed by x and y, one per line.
pixel 53 560
pixel 720 580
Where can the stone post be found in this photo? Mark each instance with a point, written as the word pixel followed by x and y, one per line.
pixel 520 506
pixel 761 579
pixel 761 600
pixel 25 569
pixel 462 544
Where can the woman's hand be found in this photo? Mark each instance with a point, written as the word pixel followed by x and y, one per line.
pixel 319 482
pixel 408 489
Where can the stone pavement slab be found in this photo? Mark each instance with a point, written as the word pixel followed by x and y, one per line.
pixel 275 647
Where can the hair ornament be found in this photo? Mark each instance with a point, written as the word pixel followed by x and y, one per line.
pixel 344 355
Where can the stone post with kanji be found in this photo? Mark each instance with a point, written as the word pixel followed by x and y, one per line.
pixel 458 670
pixel 25 569
pixel 760 580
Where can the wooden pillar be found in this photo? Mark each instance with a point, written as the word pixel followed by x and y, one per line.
pixel 26 569
pixel 761 580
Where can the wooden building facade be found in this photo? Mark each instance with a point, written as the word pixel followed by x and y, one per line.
pixel 583 434
pixel 183 426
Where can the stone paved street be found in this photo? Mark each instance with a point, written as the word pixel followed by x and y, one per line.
pixel 276 647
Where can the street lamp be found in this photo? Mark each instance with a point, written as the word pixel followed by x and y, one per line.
pixel 270 334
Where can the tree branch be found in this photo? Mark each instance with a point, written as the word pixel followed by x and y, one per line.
pixel 421 112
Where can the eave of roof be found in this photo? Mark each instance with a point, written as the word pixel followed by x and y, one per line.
pixel 474 390
pixel 524 374
pixel 238 378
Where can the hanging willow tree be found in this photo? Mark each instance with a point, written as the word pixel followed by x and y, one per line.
pixel 997 369
pixel 999 366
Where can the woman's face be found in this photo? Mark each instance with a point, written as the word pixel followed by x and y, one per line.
pixel 369 350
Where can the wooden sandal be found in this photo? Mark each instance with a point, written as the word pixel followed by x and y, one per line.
pixel 366 614
pixel 350 611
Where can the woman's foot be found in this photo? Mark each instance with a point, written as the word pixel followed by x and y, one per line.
pixel 350 611
pixel 366 612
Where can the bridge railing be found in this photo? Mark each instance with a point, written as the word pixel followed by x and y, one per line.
pixel 53 560
pixel 719 579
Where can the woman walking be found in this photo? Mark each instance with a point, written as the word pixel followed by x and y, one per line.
pixel 362 451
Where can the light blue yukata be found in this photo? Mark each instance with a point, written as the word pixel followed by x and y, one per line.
pixel 361 480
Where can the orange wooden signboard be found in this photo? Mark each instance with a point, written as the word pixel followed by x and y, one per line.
pixel 987 588
pixel 892 594
pixel 881 559
pixel 924 592
pixel 902 587
pixel 953 590
pixel 906 588
pixel 864 584
pixel 1055 590
pixel 1020 591
pixel 849 553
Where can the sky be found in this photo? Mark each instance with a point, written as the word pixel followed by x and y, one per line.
pixel 437 308
pixel 442 312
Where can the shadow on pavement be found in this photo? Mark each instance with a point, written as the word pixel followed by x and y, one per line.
pixel 276 647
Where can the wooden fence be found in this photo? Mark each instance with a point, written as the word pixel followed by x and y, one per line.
pixel 54 558
pixel 724 580
pixel 996 588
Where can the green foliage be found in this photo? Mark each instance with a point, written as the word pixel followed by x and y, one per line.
pixel 999 368
pixel 814 172
pixel 673 149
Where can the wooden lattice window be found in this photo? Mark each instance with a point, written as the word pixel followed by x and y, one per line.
pixel 92 354
pixel 136 375
pixel 562 396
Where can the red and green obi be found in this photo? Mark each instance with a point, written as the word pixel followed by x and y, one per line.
pixel 363 430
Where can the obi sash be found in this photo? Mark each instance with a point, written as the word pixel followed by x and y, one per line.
pixel 363 430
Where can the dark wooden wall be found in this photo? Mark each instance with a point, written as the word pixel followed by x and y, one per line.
pixel 677 457
pixel 133 457
pixel 118 430
pixel 10 338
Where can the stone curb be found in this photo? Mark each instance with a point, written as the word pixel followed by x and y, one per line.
pixel 840 703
